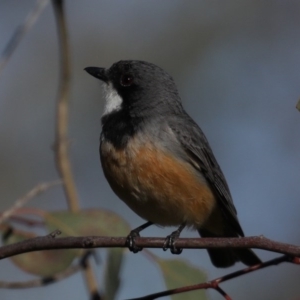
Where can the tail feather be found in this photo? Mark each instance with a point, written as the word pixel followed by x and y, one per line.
pixel 223 258
pixel 248 257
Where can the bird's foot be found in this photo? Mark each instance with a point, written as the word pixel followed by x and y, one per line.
pixel 130 242
pixel 171 239
pixel 170 243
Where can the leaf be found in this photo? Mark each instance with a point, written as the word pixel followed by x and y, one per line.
pixel 87 222
pixel 42 263
pixel 298 105
pixel 112 273
pixel 180 273
pixel 95 222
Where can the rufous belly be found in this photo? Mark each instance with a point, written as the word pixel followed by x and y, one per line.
pixel 157 186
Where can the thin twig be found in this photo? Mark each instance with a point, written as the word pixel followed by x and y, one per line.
pixel 61 141
pixel 214 284
pixel 223 293
pixel 21 31
pixel 29 196
pixel 41 281
pixel 292 253
pixel 89 242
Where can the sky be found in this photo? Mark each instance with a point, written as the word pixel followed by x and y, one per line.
pixel 236 65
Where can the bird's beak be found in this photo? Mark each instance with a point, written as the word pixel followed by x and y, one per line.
pixel 99 73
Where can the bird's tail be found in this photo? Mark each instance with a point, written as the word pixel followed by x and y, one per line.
pixel 223 258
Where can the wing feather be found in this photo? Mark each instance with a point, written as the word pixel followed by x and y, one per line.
pixel 200 155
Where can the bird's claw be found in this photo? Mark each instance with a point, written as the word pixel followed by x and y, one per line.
pixel 170 243
pixel 130 242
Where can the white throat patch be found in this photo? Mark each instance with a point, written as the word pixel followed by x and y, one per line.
pixel 113 101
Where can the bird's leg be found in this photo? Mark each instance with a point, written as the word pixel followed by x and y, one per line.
pixel 170 240
pixel 133 234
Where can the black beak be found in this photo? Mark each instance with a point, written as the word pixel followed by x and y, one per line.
pixel 99 73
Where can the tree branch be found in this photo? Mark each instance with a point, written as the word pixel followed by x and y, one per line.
pixel 214 284
pixel 292 253
pixel 40 188
pixel 21 31
pixel 88 242
pixel 61 141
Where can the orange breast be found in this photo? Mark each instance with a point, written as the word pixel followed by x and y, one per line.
pixel 157 186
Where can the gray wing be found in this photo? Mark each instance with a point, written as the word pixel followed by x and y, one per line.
pixel 196 146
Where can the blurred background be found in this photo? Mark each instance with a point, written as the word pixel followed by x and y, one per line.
pixel 237 67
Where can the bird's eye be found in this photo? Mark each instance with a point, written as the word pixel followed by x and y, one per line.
pixel 126 80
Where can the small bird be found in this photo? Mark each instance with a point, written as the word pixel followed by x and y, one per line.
pixel 158 161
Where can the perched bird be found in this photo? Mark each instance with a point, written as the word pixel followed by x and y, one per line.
pixel 158 161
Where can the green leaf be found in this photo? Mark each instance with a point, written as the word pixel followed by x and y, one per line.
pixel 179 273
pixel 95 222
pixel 87 222
pixel 42 263
pixel 112 273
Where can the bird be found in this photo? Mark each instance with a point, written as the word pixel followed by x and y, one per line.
pixel 158 161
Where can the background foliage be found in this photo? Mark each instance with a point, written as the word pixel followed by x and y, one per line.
pixel 237 68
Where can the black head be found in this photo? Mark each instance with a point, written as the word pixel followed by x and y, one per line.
pixel 137 93
pixel 140 86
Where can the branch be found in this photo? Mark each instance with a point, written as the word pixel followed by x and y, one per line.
pixel 30 195
pixel 61 141
pixel 292 253
pixel 214 284
pixel 88 242
pixel 21 31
